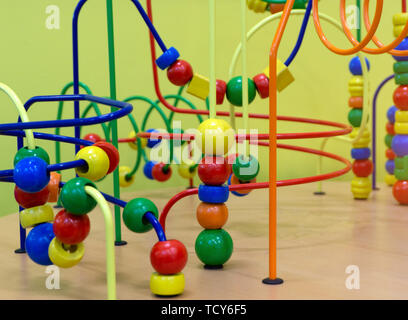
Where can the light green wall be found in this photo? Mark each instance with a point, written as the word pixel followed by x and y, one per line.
pixel 37 61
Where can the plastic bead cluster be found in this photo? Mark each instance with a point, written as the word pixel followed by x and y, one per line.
pixel 362 165
pixel 168 257
pixel 260 6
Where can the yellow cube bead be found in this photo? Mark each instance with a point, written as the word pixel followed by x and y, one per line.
pixel 257 5
pixel 356 86
pixel 167 285
pixel 283 75
pixel 390 179
pixel 364 140
pixel 215 137
pixel 361 187
pixel 401 127
pixel 199 86
pixel 401 116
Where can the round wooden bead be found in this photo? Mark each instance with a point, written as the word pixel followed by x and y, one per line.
pixel 402 46
pixel 388 140
pixel 124 179
pixel 54 186
pixel 245 168
pixel 187 169
pixel 133 144
pixel 234 91
pixel 111 152
pixel 400 191
pixel 212 216
pixel 356 86
pixel 233 180
pixel 214 247
pixel 37 152
pixel 167 285
pixel 401 97
pixel 262 85
pixel 65 255
pixel 37 243
pixel 390 154
pixel 364 140
pixel 152 142
pixel 221 87
pixel 97 163
pixel 391 114
pixel 355 116
pixel 213 170
pixel 70 228
pixel 390 166
pixel 213 194
pixel 31 175
pixel 74 197
pixel 133 214
pixel 257 5
pixel 168 257
pixel 400 145
pixel 401 116
pixel 161 174
pixel 356 102
pixel 93 137
pixel 401 67
pixel 355 66
pixel 390 179
pixel 276 7
pixel 390 128
pixel 28 200
pixel 32 216
pixel 147 169
pixel 180 73
pixel 361 187
pixel 362 168
pixel 215 137
pixel 360 153
pixel 401 79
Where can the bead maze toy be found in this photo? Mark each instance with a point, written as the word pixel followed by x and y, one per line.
pixel 225 164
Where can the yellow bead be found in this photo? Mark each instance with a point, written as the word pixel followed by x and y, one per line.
pixel 364 140
pixel 167 285
pixel 184 169
pixel 215 137
pixel 97 160
pixel 65 256
pixel 361 187
pixel 123 181
pixel 397 30
pixel 356 86
pixel 401 116
pixel 257 5
pixel 400 19
pixel 401 127
pixel 390 179
pixel 283 75
pixel 133 145
pixel 199 86
pixel 36 215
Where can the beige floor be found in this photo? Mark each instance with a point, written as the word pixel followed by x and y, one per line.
pixel 318 237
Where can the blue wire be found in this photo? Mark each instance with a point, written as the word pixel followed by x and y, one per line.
pixel 301 34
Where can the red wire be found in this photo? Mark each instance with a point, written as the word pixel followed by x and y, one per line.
pixel 404 6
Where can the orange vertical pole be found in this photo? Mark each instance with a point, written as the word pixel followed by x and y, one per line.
pixel 273 56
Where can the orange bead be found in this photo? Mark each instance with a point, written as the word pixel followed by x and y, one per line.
pixel 356 102
pixel 390 154
pixel 390 128
pixel 235 180
pixel 276 7
pixel 212 215
pixel 54 187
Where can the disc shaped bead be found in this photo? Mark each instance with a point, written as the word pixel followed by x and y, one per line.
pixel 213 194
pixel 65 255
pixel 32 216
pixel 167 285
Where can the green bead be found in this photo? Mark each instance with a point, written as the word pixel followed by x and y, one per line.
pixel 133 214
pixel 401 79
pixel 245 168
pixel 388 140
pixel 214 247
pixel 37 152
pixel 401 168
pixel 234 91
pixel 355 116
pixel 74 197
pixel 299 4
pixel 401 67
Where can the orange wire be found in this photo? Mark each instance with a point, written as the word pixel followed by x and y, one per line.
pixel 359 46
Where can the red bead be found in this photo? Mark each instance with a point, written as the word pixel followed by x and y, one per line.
pixel 112 153
pixel 400 191
pixel 221 86
pixel 168 257
pixel 262 85
pixel 390 128
pixel 70 228
pixel 389 153
pixel 180 73
pixel 401 97
pixel 213 170
pixel 362 168
pixel 29 200
pixel 93 137
pixel 159 173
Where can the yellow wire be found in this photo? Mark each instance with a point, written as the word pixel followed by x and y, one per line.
pixel 213 88
pixel 21 111
pixel 110 249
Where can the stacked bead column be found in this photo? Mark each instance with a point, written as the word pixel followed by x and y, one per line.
pixel 389 153
pixel 362 165
pixel 399 114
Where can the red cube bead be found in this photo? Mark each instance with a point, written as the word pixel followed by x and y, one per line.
pixel 71 228
pixel 362 168
pixel 180 73
pixel 168 257
pixel 213 170
pixel 29 200
pixel 262 85
pixel 401 97
pixel 221 86
pixel 159 173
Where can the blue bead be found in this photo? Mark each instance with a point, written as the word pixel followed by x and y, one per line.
pixel 355 66
pixel 147 169
pixel 400 145
pixel 391 114
pixel 152 142
pixel 37 243
pixel 390 166
pixel 234 192
pixel 402 46
pixel 213 194
pixel 360 153
pixel 30 174
pixel 167 58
